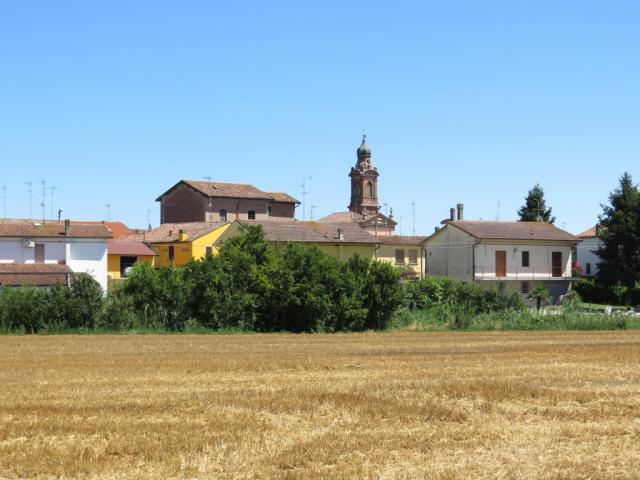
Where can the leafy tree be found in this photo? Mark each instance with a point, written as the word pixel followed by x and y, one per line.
pixel 535 207
pixel 620 235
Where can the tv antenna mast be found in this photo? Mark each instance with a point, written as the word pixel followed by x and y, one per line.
pixel 108 205
pixel 207 177
pixel 4 201
pixel 413 218
pixel 53 190
pixel 30 189
pixel 313 207
pixel 148 218
pixel 44 197
pixel 303 186
pixel 498 212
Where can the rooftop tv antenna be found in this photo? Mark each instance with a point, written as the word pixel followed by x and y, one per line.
pixel 44 193
pixel 498 212
pixel 313 207
pixel 148 218
pixel 30 190
pixel 53 190
pixel 4 201
pixel 207 177
pixel 108 205
pixel 413 218
pixel 303 186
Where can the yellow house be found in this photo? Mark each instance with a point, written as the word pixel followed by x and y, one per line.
pixel 404 252
pixel 340 240
pixel 177 243
pixel 122 255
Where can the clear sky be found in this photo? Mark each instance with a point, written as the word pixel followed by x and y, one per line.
pixel 462 101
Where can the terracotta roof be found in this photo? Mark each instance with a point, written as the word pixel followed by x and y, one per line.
pixel 401 239
pixel 169 232
pixel 232 190
pixel 513 231
pixel 117 229
pixel 313 232
pixel 591 233
pixel 52 230
pixel 342 217
pixel 37 274
pixel 282 197
pixel 134 249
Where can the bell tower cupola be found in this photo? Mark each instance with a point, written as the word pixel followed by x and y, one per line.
pixel 364 183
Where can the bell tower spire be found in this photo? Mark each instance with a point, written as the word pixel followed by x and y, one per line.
pixel 364 182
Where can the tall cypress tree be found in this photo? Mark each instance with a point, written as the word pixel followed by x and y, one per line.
pixel 620 235
pixel 535 206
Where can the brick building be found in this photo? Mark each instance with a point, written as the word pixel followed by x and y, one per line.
pixel 196 201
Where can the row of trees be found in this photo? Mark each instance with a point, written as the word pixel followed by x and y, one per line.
pixel 250 285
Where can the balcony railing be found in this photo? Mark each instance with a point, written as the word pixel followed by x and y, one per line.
pixel 522 273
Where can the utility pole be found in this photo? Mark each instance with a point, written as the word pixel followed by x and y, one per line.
pixel 44 193
pixel 413 218
pixel 303 185
pixel 29 184
pixel 108 205
pixel 313 207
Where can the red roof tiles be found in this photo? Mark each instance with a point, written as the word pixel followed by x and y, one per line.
pixel 52 230
pixel 36 274
pixel 485 230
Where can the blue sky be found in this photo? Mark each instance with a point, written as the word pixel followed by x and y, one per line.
pixel 463 101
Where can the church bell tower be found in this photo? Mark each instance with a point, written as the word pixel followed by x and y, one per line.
pixel 364 183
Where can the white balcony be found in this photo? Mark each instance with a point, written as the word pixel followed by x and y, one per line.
pixel 522 273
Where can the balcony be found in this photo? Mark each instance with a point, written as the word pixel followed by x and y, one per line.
pixel 522 273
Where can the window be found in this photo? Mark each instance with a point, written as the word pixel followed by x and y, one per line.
pixel 524 288
pixel 525 259
pixel 399 255
pixel 39 253
pixel 370 190
pixel 269 210
pixel 172 253
pixel 126 264
pixel 587 268
pixel 413 256
pixel 223 214
pixel 208 251
pixel 251 214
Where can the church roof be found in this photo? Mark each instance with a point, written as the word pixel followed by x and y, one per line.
pixel 232 190
pixel 342 217
pixel 312 232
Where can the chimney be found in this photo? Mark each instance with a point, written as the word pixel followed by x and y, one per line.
pixel 452 214
pixel 436 229
pixel 460 208
pixel 67 227
pixel 182 235
pixel 340 234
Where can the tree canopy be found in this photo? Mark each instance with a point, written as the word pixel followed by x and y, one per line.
pixel 535 206
pixel 620 235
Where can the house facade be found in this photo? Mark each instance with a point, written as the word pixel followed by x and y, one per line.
pixel 406 253
pixel 75 248
pixel 519 256
pixel 196 201
pixel 589 244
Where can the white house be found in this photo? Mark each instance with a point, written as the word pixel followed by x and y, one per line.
pixel 586 251
pixel 30 249
pixel 518 255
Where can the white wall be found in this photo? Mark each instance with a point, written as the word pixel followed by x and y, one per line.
pixel 449 253
pixel 586 249
pixel 81 255
pixel 539 260
pixel 91 258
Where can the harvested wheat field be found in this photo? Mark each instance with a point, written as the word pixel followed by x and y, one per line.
pixel 436 405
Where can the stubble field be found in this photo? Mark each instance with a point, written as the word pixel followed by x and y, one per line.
pixel 437 405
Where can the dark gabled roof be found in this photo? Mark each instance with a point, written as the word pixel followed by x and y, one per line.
pixel 129 248
pixel 401 239
pixel 36 274
pixel 35 229
pixel 170 232
pixel 232 190
pixel 313 232
pixel 484 230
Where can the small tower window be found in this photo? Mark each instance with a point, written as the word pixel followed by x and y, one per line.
pixel 370 190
